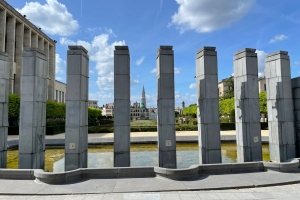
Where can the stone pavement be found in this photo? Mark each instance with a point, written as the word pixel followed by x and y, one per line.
pixel 291 191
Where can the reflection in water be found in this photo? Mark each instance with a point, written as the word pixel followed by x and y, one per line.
pixel 141 155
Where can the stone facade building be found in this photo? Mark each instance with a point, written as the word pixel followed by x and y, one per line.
pixel 93 103
pixel 60 89
pixel 222 87
pixel 17 33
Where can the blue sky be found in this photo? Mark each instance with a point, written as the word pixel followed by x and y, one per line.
pixel 187 25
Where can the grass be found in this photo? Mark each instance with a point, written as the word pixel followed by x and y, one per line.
pixel 143 123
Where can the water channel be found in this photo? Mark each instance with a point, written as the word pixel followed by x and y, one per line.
pixel 141 155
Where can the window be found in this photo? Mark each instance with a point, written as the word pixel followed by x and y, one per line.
pixel 56 95
pixel 59 100
pixel 265 87
pixel 63 97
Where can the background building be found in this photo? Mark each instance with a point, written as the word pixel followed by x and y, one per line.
pixel 17 33
pixel 222 85
pixel 93 103
pixel 60 89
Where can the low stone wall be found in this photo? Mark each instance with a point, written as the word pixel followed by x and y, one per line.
pixel 193 172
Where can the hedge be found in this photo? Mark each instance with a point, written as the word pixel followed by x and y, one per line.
pixel 50 130
pixel 53 130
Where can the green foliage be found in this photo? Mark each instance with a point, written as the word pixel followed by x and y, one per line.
pixel 226 106
pixel 191 110
pixel 55 110
pixel 229 88
pixel 94 114
pixel 263 102
pixel 13 106
pixel 143 123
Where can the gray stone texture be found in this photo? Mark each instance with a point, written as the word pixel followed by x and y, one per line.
pixel 76 145
pixel 33 109
pixel 4 91
pixel 280 107
pixel 121 106
pixel 296 99
pixel 208 106
pixel 165 107
pixel 247 114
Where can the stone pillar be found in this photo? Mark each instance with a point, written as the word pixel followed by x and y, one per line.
pixel 18 55
pixel 247 114
pixel 2 29
pixel 27 38
pixel 121 107
pixel 33 110
pixel 34 40
pixel 76 145
pixel 41 43
pixel 208 106
pixel 4 91
pixel 165 107
pixel 296 99
pixel 51 72
pixel 280 107
pixel 10 49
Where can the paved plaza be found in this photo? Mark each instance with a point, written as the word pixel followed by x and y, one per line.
pixel 291 191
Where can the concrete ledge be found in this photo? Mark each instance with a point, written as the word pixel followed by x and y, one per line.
pixel 190 173
pixel 292 165
pixel 178 174
pixel 17 174
pixel 231 168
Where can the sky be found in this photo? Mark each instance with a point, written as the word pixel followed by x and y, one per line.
pixel 144 25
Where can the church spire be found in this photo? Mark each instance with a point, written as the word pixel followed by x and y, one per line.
pixel 144 97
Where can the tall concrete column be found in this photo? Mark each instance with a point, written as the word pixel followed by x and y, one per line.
pixel 121 106
pixel 18 55
pixel 4 91
pixel 296 99
pixel 33 110
pixel 2 29
pixel 51 72
pixel 27 38
pixel 247 114
pixel 280 107
pixel 34 40
pixel 76 145
pixel 10 48
pixel 165 107
pixel 208 106
pixel 41 43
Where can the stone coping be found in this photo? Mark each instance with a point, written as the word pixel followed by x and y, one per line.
pixel 187 174
pixel 60 142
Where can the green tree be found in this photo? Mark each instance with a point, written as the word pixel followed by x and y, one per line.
pixel 263 102
pixel 191 110
pixel 228 88
pixel 226 106
pixel 13 106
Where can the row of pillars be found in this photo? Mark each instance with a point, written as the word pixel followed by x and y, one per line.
pixel 248 134
pixel 15 36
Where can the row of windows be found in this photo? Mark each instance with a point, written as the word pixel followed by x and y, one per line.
pixel 59 96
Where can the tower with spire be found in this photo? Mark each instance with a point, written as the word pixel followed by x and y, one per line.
pixel 143 100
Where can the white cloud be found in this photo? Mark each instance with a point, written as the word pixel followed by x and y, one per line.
pixel 192 86
pixel 140 61
pixel 278 38
pixel 60 65
pixel 209 15
pixel 297 63
pixel 153 70
pixel 58 78
pixel 134 82
pixel 53 17
pixel 100 51
pixel 261 56
pixel 92 72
